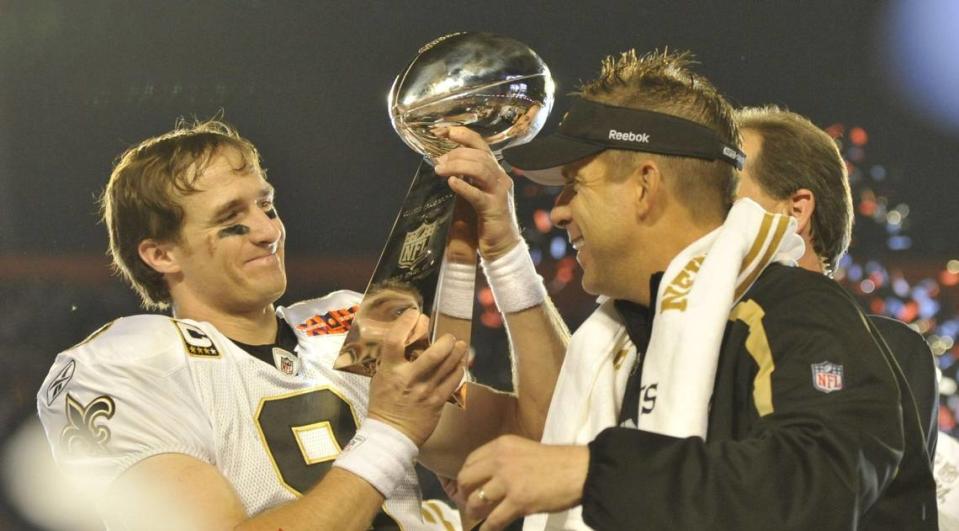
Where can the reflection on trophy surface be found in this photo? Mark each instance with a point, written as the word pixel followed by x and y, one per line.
pixel 494 85
pixel 382 304
pixel 501 89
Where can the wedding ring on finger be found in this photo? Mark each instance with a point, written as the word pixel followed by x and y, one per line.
pixel 482 496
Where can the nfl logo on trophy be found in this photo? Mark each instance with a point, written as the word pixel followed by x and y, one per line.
pixel 416 244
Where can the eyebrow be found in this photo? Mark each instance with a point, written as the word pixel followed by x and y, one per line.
pixel 570 170
pixel 224 211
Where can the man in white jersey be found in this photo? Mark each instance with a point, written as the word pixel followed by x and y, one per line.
pixel 229 414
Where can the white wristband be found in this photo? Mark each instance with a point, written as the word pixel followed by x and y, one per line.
pixel 380 454
pixel 456 289
pixel 513 279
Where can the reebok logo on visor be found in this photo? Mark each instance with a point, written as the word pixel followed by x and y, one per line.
pixel 629 136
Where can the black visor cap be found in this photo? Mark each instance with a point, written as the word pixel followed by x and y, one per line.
pixel 590 128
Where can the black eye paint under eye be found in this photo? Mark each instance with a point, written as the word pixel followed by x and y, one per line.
pixel 271 213
pixel 234 230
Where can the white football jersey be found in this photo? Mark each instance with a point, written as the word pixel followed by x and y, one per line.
pixel 947 482
pixel 151 384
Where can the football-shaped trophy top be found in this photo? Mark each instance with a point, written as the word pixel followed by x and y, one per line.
pixel 495 85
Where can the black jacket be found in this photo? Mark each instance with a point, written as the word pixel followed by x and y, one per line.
pixel 806 430
pixel 919 367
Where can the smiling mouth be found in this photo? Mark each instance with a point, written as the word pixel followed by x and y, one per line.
pixel 265 259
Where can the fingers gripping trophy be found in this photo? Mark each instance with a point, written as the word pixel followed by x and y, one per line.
pixel 499 88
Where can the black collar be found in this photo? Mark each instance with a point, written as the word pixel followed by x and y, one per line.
pixel 285 339
pixel 638 318
pixel 639 325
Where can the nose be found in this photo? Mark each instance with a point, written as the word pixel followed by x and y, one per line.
pixel 560 215
pixel 266 230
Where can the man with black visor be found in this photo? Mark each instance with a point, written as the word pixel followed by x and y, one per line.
pixel 715 387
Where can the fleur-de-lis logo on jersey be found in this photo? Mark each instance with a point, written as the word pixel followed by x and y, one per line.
pixel 82 435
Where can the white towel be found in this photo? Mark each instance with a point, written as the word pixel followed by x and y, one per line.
pixel 699 288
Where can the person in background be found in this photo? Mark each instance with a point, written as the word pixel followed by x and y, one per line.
pixel 795 168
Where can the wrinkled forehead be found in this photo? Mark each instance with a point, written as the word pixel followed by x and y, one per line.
pixel 222 166
pixel 604 166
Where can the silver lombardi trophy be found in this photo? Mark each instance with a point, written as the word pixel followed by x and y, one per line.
pixel 496 86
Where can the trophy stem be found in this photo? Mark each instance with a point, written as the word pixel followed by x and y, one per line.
pixel 420 251
pixel 415 247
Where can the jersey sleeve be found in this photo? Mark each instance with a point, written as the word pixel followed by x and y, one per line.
pixel 817 456
pixel 121 396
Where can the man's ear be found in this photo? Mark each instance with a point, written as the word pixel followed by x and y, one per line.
pixel 802 204
pixel 648 185
pixel 158 256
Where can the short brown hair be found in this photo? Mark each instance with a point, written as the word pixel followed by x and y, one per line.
pixel 663 82
pixel 140 199
pixel 796 154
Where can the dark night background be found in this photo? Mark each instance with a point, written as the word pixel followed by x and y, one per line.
pixel 307 83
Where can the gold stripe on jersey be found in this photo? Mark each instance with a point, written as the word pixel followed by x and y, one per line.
pixel 757 344
pixel 427 514
pixel 95 333
pixel 433 514
pixel 619 358
pixel 780 230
